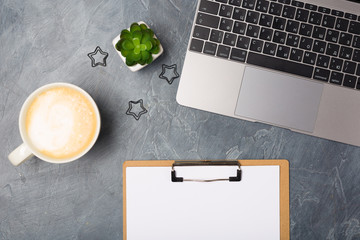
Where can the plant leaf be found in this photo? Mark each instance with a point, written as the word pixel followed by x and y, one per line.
pixel 155 50
pixel 150 59
pixel 134 27
pixel 145 55
pixel 146 37
pixel 143 26
pixel 127 45
pixel 125 34
pixel 137 35
pixel 129 62
pixel 148 45
pixel 125 53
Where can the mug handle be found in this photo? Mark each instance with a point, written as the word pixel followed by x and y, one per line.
pixel 20 155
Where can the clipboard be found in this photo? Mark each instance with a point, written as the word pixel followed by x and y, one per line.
pixel 165 199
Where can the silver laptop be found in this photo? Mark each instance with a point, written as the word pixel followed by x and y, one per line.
pixel 292 64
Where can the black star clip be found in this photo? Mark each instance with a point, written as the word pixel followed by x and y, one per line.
pixel 93 61
pixel 174 75
pixel 136 115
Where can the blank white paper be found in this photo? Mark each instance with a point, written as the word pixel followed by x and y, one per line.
pixel 160 209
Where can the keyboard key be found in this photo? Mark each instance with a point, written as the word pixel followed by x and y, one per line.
pixel 332 36
pixel 341 24
pixel 235 2
pixel 226 11
pixel 239 14
pixel 358 70
pixel 279 23
pixel 256 45
pixel 356 55
pixel 279 37
pixel 284 1
pixel 349 67
pixel 319 32
pixel 345 39
pixel 323 61
pixel 266 20
pixel 243 42
pixel 297 3
pixel 216 36
pixel 354 27
pixel 262 6
pixel 269 48
pixel 252 31
pixel 315 18
pixel 209 7
pixel 319 46
pixel 328 21
pixel 302 15
pixel 207 20
pixel 356 42
pixel 324 10
pixel 349 81
pixel 311 6
pixel 345 52
pixel 309 58
pixel 337 13
pixel 223 51
pixel 358 84
pixel 222 1
pixel 210 48
pixel 292 26
pixel 336 64
pixel 229 39
pixel 196 45
pixel 266 34
pixel 249 4
pixel 279 64
pixel 306 43
pixel 252 17
pixel 305 29
pixel 239 27
pixel 296 54
pixel 321 74
pixel 283 51
pixel 288 12
pixel 292 40
pixel 238 55
pixel 201 32
pixel 336 78
pixel 275 9
pixel 350 16
pixel 332 49
pixel 226 24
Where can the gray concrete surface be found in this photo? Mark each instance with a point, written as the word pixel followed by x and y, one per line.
pixel 48 41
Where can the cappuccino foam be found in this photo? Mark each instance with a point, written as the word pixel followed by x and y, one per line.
pixel 61 122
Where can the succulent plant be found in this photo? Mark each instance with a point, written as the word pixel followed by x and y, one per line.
pixel 138 44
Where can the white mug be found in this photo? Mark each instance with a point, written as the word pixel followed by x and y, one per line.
pixel 26 150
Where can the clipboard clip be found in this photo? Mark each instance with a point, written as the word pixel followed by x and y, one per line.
pixel 236 178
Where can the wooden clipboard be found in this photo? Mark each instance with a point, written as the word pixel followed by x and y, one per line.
pixel 283 181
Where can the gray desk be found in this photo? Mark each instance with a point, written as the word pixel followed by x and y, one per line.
pixel 48 41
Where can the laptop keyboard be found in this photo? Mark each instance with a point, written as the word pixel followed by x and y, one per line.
pixel 286 35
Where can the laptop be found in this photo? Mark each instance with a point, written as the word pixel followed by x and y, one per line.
pixel 292 64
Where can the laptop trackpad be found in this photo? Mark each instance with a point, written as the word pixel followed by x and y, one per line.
pixel 280 99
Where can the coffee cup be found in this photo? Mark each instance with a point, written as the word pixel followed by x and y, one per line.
pixel 58 123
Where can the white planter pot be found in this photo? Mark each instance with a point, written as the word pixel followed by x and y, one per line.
pixel 136 67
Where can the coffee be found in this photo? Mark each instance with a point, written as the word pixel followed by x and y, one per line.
pixel 61 122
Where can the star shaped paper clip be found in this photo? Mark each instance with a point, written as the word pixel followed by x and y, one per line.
pixel 164 70
pixel 136 115
pixel 93 61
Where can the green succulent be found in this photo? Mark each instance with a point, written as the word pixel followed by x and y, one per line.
pixel 138 44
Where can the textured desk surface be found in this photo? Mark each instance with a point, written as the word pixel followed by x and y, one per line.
pixel 48 41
